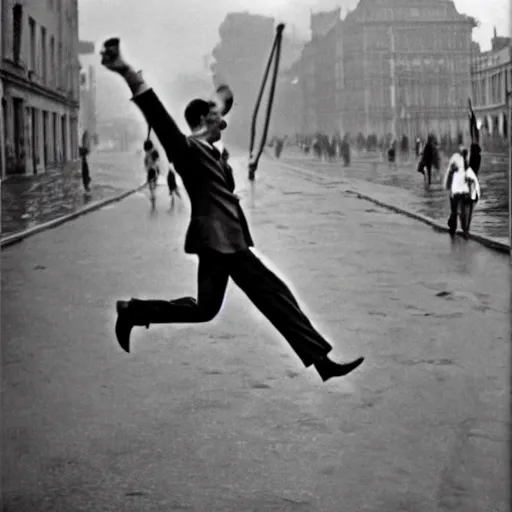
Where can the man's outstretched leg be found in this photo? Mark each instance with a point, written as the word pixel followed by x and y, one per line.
pixel 275 300
pixel 212 279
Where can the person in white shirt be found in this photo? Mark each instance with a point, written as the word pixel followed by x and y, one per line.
pixel 463 186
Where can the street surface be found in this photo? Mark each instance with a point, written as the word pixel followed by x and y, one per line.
pixel 491 213
pixel 222 416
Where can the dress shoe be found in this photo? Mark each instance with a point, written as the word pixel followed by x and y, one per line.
pixel 126 321
pixel 328 369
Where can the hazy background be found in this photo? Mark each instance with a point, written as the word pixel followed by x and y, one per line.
pixel 170 38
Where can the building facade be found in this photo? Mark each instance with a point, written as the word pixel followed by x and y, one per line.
pixel 491 77
pixel 39 76
pixel 240 60
pixel 406 68
pixel 287 107
pixel 390 67
pixel 318 72
pixel 87 122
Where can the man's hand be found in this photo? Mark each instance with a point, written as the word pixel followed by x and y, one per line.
pixel 111 57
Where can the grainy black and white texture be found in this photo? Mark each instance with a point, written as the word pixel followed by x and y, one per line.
pixel 222 416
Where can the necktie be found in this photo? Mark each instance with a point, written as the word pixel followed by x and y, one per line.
pixel 216 153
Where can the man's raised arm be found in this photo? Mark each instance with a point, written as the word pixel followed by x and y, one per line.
pixel 174 142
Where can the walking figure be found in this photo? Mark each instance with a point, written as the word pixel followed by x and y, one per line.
pixel 464 190
pixel 151 159
pixel 173 186
pixel 429 158
pixel 392 154
pixel 218 232
pixel 84 151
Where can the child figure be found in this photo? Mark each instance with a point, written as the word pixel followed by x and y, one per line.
pixel 173 186
pixel 151 159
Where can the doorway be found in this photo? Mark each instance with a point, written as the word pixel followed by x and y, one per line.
pixel 18 137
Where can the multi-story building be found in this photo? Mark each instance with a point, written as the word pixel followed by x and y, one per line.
pixel 318 71
pixel 286 112
pixel 287 108
pixel 325 32
pixel 491 76
pixel 240 60
pixel 406 67
pixel 39 73
pixel 87 123
pixel 2 101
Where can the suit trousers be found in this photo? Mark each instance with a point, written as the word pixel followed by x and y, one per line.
pixel 266 291
pixel 454 205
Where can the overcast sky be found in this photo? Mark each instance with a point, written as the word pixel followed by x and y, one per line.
pixel 184 30
pixel 175 35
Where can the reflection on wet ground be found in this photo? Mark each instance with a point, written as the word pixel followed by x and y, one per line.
pixel 491 213
pixel 30 201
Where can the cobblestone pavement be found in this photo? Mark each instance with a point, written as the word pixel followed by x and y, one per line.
pixel 29 201
pixel 491 214
pixel 221 417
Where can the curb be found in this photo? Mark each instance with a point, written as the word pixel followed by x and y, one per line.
pixel 484 240
pixel 487 241
pixel 20 236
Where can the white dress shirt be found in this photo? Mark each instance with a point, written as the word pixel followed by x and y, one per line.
pixel 464 181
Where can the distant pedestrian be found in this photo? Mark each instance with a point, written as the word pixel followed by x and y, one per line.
pixel 404 147
pixel 151 164
pixel 392 154
pixel 173 186
pixel 278 148
pixel 464 191
pixel 345 151
pixel 83 153
pixel 417 146
pixel 429 159
pixel 475 151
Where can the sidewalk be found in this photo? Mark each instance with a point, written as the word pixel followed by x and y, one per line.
pixel 30 201
pixel 404 188
pixel 221 417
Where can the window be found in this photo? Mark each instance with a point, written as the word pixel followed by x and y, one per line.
pixel 52 60
pixel 33 55
pixel 17 25
pixel 44 61
pixel 59 67
pixel 483 91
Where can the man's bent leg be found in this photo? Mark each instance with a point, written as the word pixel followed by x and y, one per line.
pixel 211 287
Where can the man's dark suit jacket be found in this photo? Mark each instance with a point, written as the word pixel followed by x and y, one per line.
pixel 217 221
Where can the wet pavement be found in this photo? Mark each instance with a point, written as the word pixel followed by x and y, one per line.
pixel 222 417
pixel 491 213
pixel 29 201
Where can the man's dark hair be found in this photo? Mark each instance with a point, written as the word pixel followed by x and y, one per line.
pixel 148 145
pixel 195 110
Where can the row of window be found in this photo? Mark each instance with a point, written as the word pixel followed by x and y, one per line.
pixel 45 57
pixel 48 136
pixel 411 13
pixel 491 90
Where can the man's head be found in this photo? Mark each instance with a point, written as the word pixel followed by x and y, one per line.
pixel 204 117
pixel 148 145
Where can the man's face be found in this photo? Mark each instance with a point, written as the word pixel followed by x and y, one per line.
pixel 215 124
